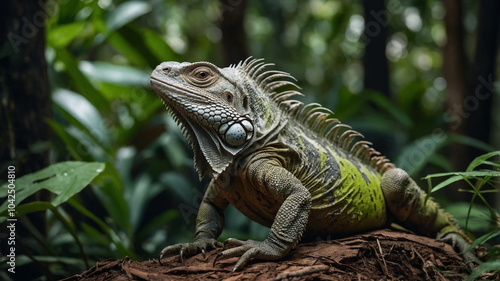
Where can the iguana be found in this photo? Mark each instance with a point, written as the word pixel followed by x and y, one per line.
pixel 288 166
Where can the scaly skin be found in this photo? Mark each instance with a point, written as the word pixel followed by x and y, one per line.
pixel 287 166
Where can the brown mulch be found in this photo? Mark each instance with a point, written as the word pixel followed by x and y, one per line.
pixel 378 255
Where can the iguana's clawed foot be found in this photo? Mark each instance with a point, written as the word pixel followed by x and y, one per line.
pixel 249 249
pixel 198 246
pixel 460 245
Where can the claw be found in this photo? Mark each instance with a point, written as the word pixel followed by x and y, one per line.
pixel 181 256
pixel 217 258
pixel 187 249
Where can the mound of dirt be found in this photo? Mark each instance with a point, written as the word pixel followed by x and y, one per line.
pixel 378 255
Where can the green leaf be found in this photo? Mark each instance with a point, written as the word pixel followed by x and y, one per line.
pixel 111 235
pixel 415 155
pixel 82 84
pixel 471 174
pixel 456 176
pixel 390 107
pixel 112 198
pixel 125 13
pixel 476 219
pixel 159 47
pixel 63 179
pixel 116 74
pixel 135 38
pixel 43 206
pixel 62 35
pixel 444 183
pixel 84 112
pixel 127 48
pixel 157 222
pixel 481 159
pixel 30 207
pixel 71 142
pixel 492 265
pixel 481 240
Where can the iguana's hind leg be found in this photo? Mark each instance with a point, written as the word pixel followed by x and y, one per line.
pixel 406 201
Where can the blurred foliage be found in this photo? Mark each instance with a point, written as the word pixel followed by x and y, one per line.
pixel 101 53
pixel 482 182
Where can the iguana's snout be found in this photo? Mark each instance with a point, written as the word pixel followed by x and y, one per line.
pixel 167 72
pixel 169 68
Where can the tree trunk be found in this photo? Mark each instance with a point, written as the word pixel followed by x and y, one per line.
pixel 454 70
pixel 234 45
pixel 481 91
pixel 480 95
pixel 25 104
pixel 375 36
pixel 25 100
pixel 375 64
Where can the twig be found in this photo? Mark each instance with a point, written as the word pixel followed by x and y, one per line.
pixel 302 272
pixel 386 271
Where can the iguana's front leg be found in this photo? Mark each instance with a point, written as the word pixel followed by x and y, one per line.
pixel 209 225
pixel 290 221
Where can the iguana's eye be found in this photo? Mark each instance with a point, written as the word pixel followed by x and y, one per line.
pixel 201 76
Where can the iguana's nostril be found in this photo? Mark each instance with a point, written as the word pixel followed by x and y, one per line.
pixel 166 69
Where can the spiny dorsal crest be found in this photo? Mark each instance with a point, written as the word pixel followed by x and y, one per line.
pixel 315 117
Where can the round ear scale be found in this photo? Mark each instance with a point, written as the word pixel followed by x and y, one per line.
pixel 237 133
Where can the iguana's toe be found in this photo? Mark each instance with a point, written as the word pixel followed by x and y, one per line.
pixel 199 246
pixel 461 246
pixel 249 250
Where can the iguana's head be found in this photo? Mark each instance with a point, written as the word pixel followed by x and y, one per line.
pixel 222 111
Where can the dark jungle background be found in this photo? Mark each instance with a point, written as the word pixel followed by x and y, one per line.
pixel 418 78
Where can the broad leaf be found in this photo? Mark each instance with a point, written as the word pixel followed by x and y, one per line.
pixel 62 35
pixel 116 74
pixel 415 155
pixel 125 13
pixel 84 113
pixel 64 179
pixel 82 84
